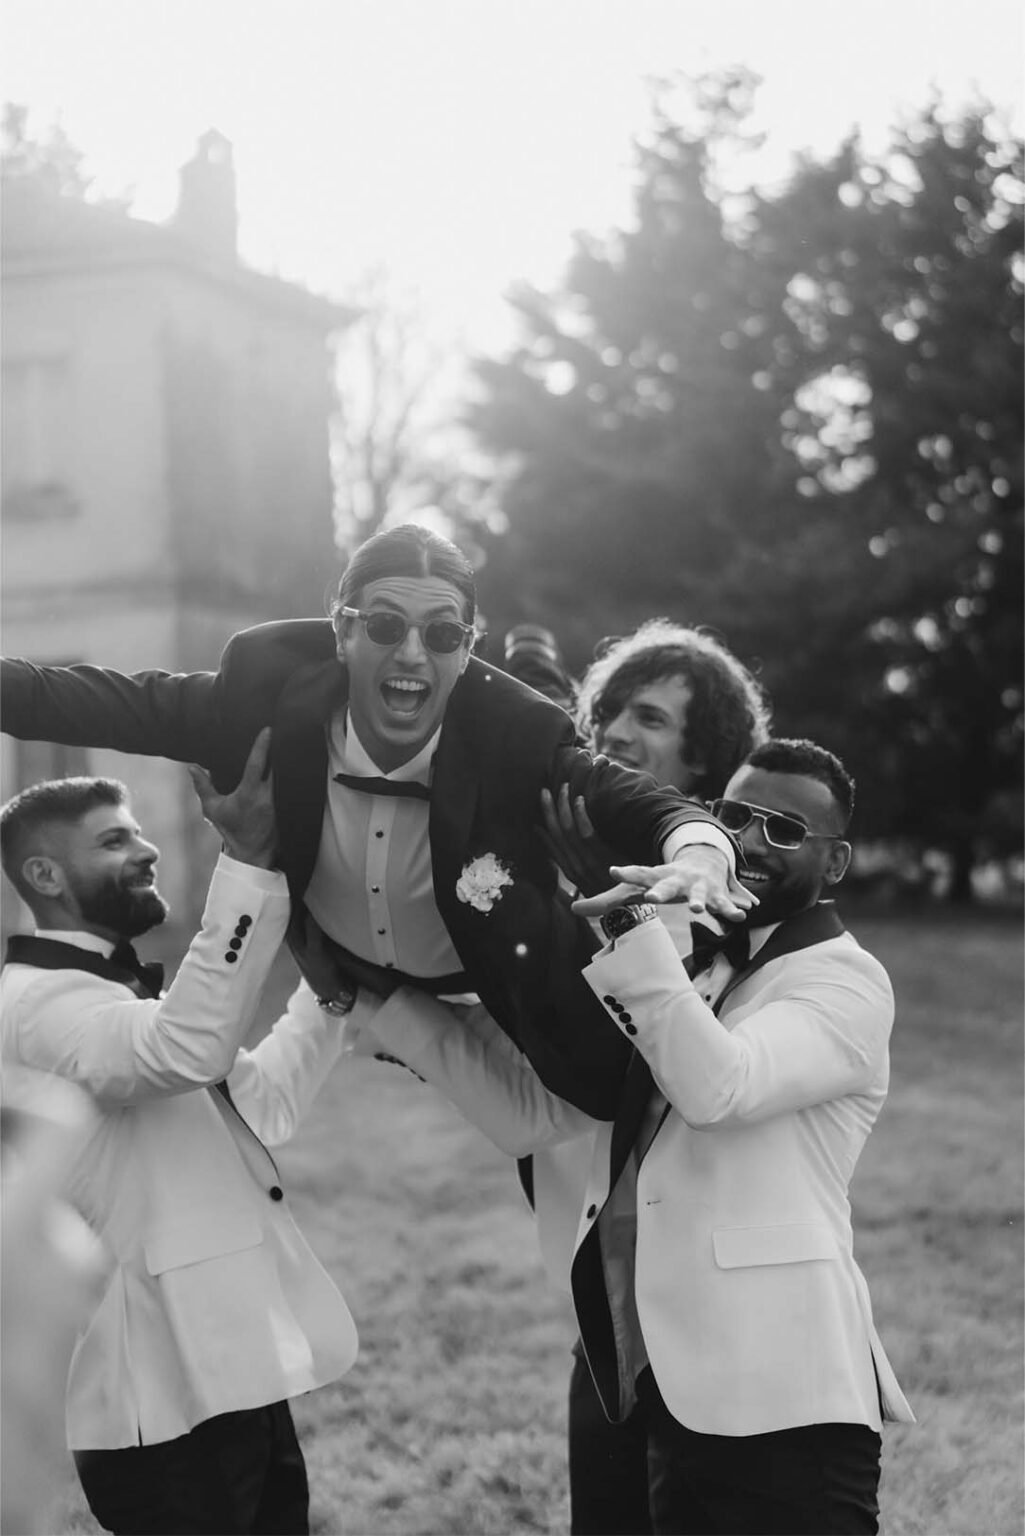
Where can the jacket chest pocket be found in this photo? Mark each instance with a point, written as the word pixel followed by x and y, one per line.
pixel 791 1243
pixel 197 1240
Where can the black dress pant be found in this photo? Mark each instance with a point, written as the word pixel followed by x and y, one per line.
pixel 235 1474
pixel 608 1463
pixel 816 1480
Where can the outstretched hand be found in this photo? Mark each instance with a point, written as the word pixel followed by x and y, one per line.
pixel 244 818
pixel 699 876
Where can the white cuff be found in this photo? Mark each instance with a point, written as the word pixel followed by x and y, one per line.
pixel 263 879
pixel 698 832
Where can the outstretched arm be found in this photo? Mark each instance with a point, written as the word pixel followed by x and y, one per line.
pixel 154 714
pixel 629 810
pixel 472 1063
pixel 124 1048
pixel 823 1039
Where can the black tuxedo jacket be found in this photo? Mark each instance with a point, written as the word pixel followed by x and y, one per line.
pixel 500 744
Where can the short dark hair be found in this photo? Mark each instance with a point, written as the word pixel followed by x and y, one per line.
pixel 64 801
pixel 407 550
pixel 728 713
pixel 798 755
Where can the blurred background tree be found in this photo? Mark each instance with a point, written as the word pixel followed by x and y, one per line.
pixel 795 417
pixel 386 368
pixel 50 158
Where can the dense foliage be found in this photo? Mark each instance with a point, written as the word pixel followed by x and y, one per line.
pixel 795 417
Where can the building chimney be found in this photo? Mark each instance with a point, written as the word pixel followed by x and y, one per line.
pixel 207 211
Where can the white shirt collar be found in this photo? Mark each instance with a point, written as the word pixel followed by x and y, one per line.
pixel 357 760
pixel 80 940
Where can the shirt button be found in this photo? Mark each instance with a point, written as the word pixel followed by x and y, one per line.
pixel 276 1192
pixel 378 834
pixel 382 931
pixel 375 890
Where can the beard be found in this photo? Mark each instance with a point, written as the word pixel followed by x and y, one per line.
pixel 127 910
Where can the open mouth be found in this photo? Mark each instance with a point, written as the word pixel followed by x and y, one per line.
pixel 753 877
pixel 405 695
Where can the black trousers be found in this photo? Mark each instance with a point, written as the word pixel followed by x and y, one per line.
pixel 608 1464
pixel 650 1474
pixel 235 1474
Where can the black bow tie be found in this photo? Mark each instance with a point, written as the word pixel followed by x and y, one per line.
pixel 370 786
pixel 149 976
pixel 735 944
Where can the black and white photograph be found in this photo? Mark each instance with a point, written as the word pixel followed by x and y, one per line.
pixel 511 773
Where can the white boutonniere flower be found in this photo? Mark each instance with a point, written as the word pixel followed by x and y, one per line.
pixel 481 882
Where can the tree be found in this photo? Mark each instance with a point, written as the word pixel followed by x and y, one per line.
pixel 389 456
pixel 908 297
pixel 53 160
pixel 794 417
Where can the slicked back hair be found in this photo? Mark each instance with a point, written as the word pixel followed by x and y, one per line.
pixel 798 755
pixel 407 550
pixel 61 802
pixel 728 714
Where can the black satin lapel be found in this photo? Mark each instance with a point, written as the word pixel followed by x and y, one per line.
pixel 814 926
pixel 455 789
pixel 638 1086
pixel 299 762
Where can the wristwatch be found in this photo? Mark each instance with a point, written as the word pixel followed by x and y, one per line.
pixel 620 920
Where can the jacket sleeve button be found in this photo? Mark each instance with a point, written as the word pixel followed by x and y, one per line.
pixel 631 1029
pixel 276 1192
pixel 592 1211
pixel 231 957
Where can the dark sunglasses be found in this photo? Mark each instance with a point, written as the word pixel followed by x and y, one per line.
pixel 442 636
pixel 780 831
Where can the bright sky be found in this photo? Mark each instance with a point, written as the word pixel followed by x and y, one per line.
pixel 461 141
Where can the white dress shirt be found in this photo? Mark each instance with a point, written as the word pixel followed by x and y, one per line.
pixel 377 848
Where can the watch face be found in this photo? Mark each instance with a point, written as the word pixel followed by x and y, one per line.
pixel 621 919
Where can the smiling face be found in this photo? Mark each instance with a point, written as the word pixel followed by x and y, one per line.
pixel 104 870
pixel 646 731
pixel 786 881
pixel 398 693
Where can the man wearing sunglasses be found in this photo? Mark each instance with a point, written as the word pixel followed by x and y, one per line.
pixel 407 780
pixel 711 1264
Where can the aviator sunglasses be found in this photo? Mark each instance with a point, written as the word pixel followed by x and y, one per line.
pixel 442 636
pixel 780 831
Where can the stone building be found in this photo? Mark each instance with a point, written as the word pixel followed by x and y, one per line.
pixel 165 458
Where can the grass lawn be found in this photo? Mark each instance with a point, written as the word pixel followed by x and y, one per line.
pixel 453 1418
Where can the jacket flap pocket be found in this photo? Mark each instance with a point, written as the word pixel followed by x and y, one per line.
pixel 738 1247
pixel 192 1241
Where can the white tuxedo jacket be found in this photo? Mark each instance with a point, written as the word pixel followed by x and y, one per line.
pixel 215 1302
pixel 753 1313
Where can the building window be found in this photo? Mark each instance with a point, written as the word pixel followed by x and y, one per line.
pixel 35 450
